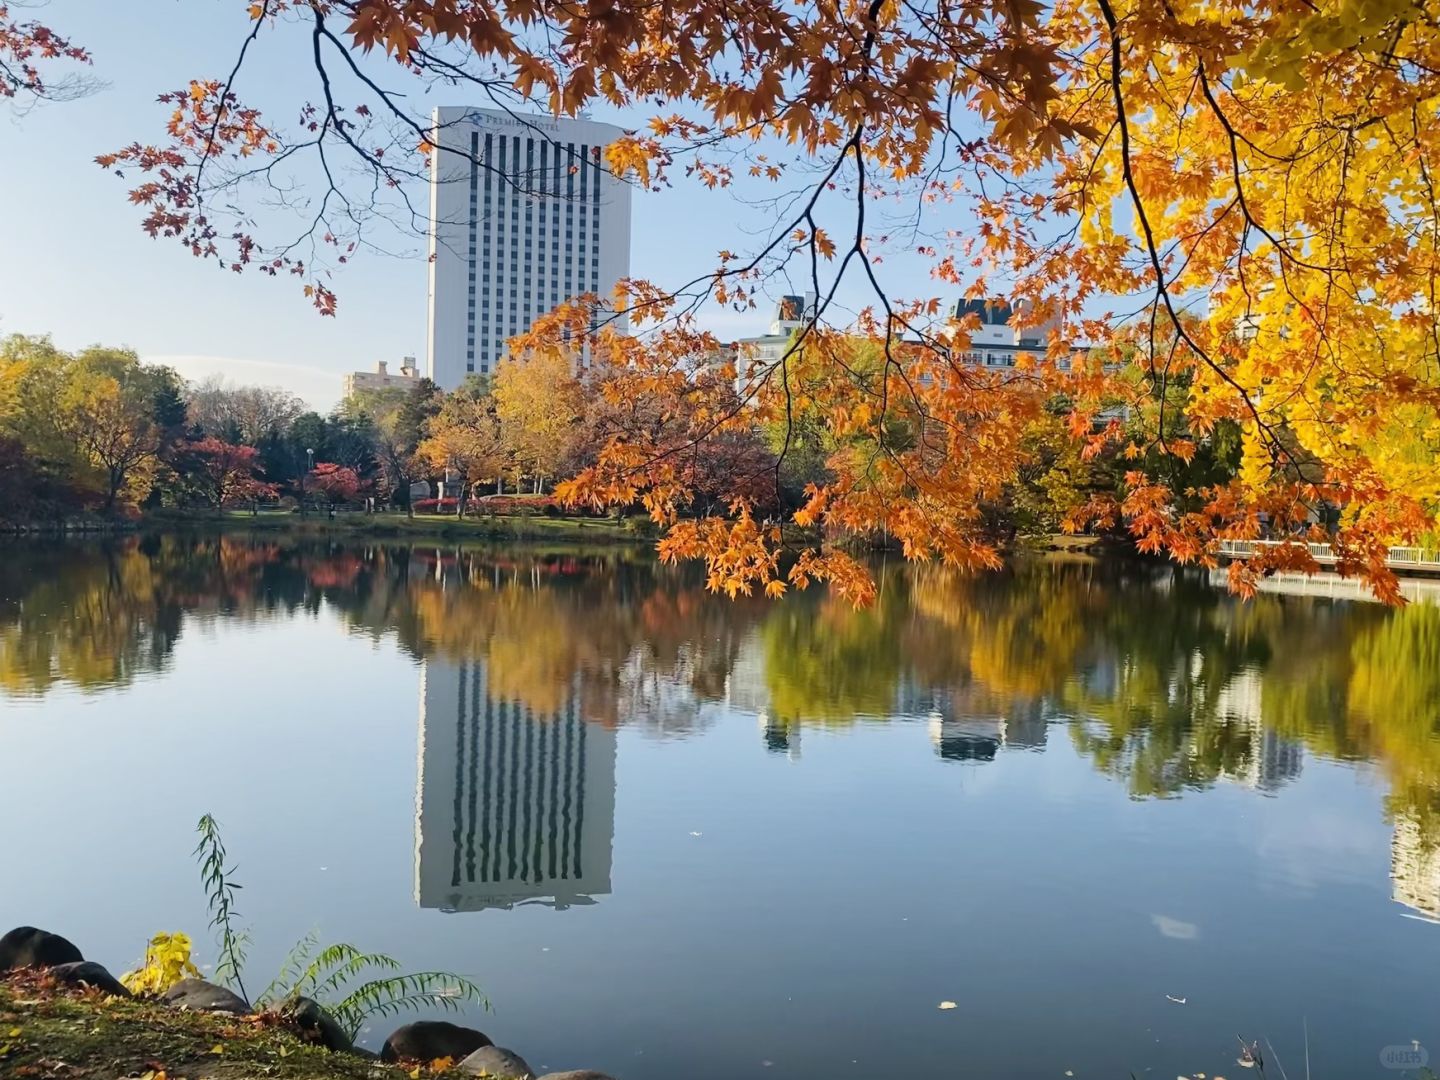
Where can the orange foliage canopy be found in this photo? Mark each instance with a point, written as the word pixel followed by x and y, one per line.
pixel 1250 182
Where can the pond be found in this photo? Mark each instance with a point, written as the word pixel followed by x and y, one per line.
pixel 1112 814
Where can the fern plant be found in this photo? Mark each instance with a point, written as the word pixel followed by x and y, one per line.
pixel 353 986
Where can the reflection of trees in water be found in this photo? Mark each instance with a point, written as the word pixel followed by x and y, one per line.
pixel 1171 684
pixel 98 615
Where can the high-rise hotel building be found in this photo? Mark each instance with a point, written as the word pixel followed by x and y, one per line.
pixel 523 216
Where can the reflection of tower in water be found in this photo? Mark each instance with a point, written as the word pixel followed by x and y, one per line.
pixel 1414 867
pixel 512 805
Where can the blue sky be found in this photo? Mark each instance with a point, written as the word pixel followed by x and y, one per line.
pixel 75 263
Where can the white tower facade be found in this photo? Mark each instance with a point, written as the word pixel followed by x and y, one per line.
pixel 524 215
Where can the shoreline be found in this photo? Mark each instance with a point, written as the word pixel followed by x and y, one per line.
pixel 100 1038
pixel 352 525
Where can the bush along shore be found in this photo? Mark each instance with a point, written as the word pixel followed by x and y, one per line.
pixel 64 1016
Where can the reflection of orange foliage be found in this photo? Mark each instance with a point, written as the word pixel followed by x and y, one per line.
pixel 335 572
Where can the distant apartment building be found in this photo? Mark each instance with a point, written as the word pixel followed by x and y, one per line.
pixel 513 806
pixel 382 378
pixel 997 342
pixel 524 215
pixel 755 354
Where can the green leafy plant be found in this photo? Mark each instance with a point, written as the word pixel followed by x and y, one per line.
pixel 355 986
pixel 351 985
pixel 220 889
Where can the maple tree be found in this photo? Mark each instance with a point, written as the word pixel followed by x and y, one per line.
pixel 227 474
pixel 27 49
pixel 1248 184
pixel 336 483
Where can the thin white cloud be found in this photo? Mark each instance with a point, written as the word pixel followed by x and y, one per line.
pixel 319 387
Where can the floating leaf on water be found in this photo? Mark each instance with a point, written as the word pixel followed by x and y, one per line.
pixel 948 1005
pixel 1177 1001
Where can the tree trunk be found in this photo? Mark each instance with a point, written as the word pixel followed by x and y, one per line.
pixel 460 503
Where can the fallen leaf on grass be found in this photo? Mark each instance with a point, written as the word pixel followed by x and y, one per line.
pixel 218 1048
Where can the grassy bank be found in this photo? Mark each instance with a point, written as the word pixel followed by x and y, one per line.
pixel 499 529
pixel 50 1032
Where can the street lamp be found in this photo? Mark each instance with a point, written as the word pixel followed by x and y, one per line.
pixel 310 462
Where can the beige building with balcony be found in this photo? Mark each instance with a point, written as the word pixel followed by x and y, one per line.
pixel 383 379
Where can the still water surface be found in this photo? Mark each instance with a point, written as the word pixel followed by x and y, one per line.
pixel 674 836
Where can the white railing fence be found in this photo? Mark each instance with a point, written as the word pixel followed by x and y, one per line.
pixel 1414 557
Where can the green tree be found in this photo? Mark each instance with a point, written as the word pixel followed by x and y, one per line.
pixel 397 420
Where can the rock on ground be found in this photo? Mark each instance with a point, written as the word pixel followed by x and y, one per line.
pixel 86 973
pixel 426 1040
pixel 315 1024
pixel 26 946
pixel 497 1062
pixel 198 995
